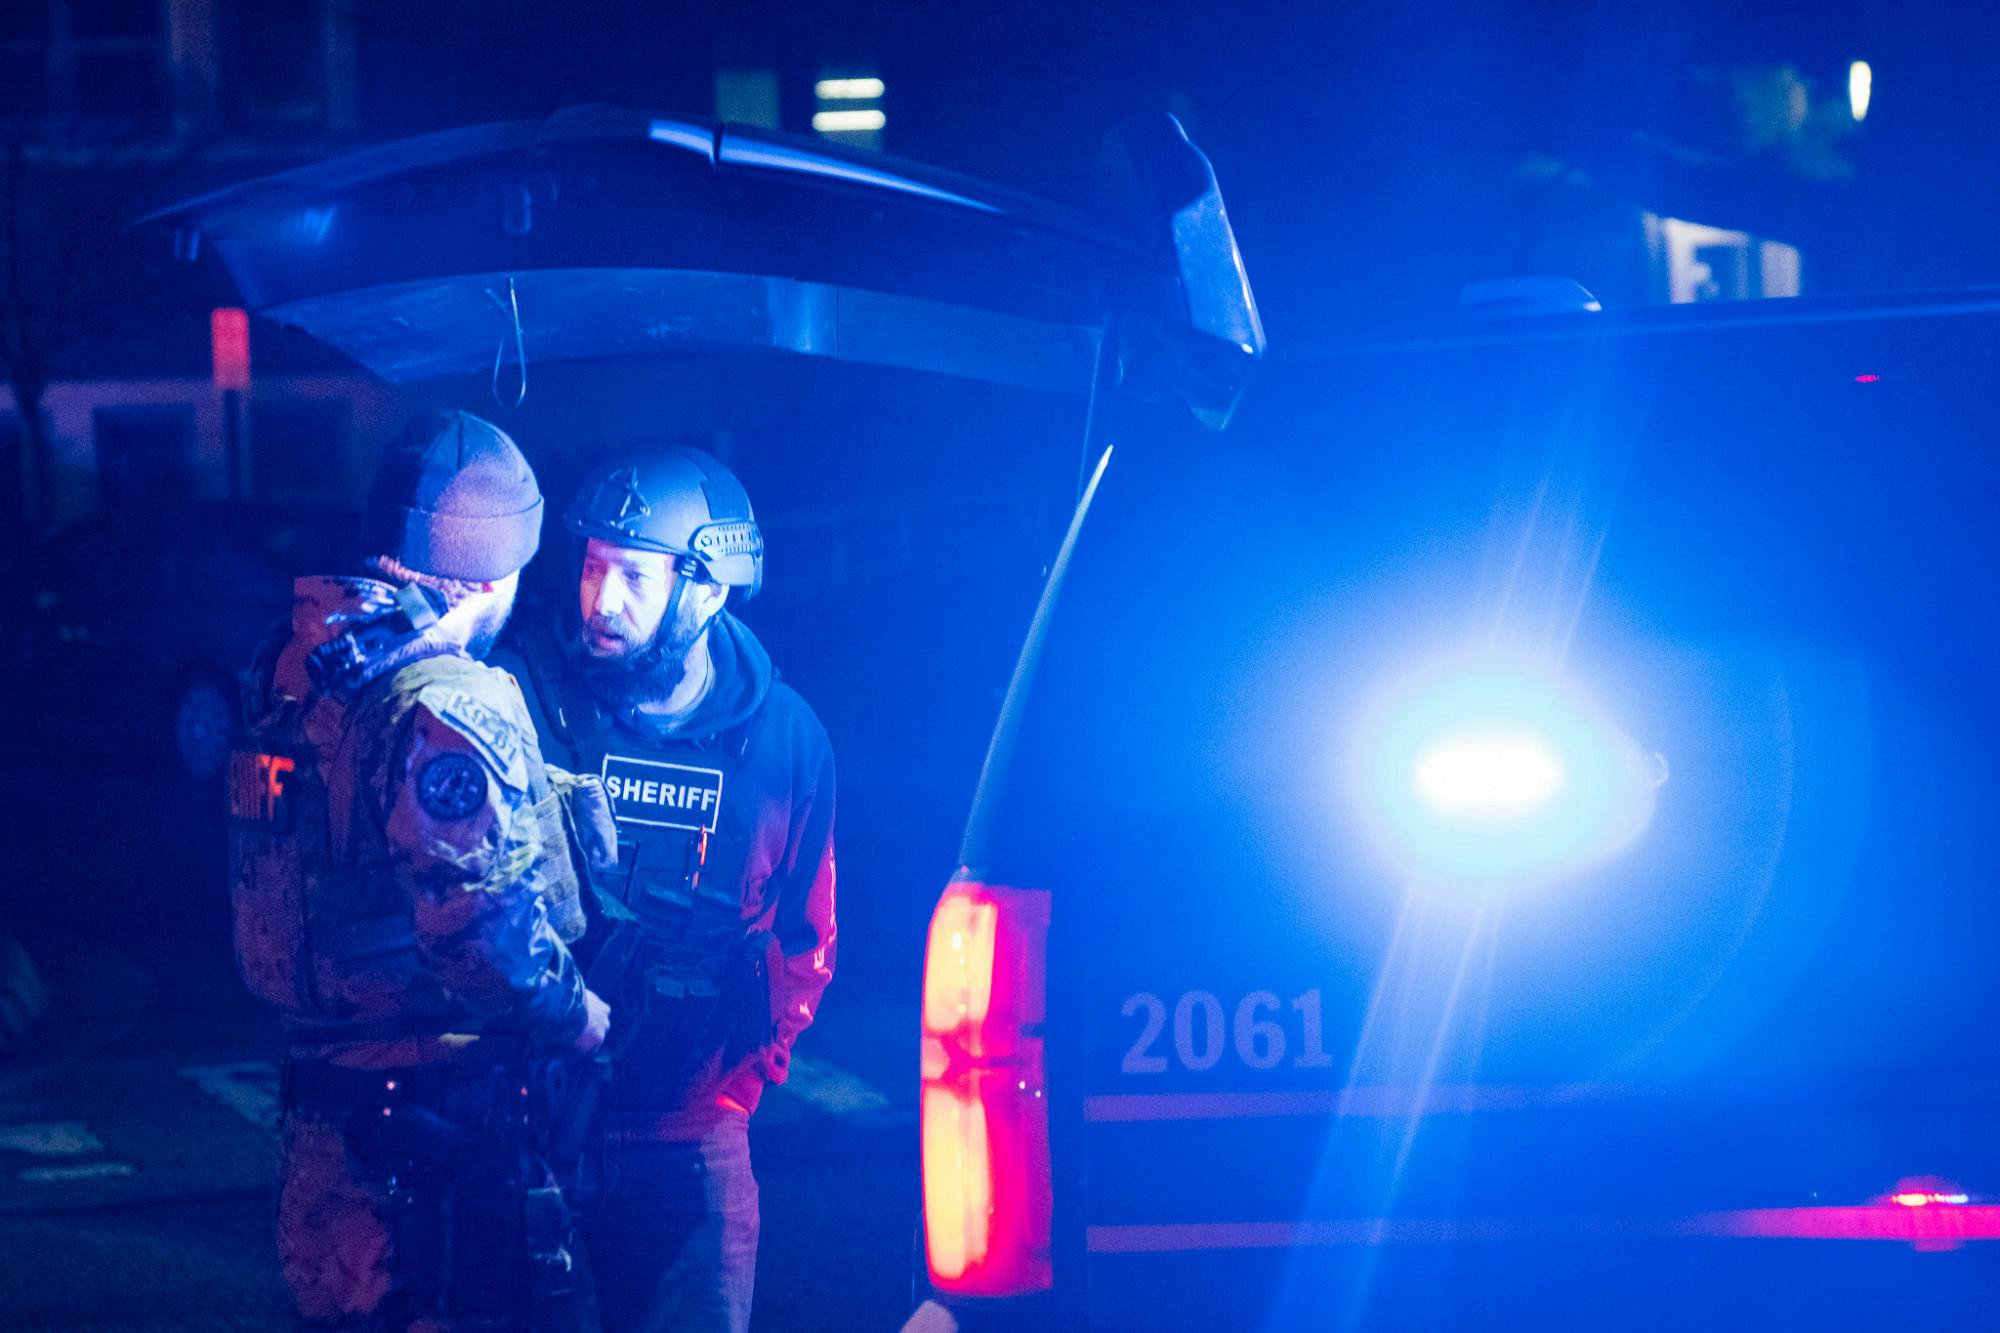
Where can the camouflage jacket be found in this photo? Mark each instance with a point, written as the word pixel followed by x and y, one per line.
pixel 392 868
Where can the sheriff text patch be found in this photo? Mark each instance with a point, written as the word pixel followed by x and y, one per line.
pixel 662 795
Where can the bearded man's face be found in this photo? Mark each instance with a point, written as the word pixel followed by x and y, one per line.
pixel 629 649
pixel 622 595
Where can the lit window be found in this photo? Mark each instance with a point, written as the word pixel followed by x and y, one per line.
pixel 847 108
pixel 1701 263
pixel 848 122
pixel 1860 89
pixel 848 90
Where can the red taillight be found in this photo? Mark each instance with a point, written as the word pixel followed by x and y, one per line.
pixel 958 963
pixel 987 1192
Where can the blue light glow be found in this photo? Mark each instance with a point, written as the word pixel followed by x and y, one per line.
pixel 738 151
pixel 680 134
pixel 312 225
pixel 1496 775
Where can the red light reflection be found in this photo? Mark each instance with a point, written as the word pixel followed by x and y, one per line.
pixel 1925 1212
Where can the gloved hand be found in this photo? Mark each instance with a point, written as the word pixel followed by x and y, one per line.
pixel 589 815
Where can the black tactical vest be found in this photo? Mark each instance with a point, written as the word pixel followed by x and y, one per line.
pixel 671 944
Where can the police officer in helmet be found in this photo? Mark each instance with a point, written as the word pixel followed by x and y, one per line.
pixel 713 935
pixel 401 887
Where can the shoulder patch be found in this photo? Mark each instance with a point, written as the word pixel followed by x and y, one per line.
pixel 451 787
pixel 497 735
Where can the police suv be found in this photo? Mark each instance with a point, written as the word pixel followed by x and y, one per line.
pixel 1500 838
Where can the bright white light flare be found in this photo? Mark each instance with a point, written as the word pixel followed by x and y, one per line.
pixel 1488 774
pixel 1496 775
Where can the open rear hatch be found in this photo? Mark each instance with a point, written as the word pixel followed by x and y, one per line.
pixel 603 232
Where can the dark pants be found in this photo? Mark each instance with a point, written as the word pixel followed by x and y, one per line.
pixel 672 1238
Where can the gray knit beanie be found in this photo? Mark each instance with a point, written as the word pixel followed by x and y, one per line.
pixel 454 498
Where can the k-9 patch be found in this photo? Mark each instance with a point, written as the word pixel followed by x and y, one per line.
pixel 662 795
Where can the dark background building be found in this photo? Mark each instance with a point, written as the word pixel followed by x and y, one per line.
pixel 1377 157
pixel 1380 160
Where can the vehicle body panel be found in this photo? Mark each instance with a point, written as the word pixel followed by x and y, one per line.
pixel 1623 1095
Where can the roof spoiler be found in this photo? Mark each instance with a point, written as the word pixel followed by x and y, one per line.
pixel 1206 357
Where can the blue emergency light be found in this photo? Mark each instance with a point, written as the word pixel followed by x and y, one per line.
pixel 1494 776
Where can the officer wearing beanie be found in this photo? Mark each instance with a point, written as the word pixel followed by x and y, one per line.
pixel 713 926
pixel 396 852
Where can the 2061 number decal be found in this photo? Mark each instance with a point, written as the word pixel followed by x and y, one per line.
pixel 1198 1031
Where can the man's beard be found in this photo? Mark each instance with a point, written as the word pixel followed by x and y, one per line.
pixel 640 676
pixel 487 629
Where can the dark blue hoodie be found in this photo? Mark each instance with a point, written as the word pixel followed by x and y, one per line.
pixel 774 840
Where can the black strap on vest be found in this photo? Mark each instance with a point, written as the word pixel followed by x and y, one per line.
pixel 570 713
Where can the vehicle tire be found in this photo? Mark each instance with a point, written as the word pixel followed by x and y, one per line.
pixel 204 717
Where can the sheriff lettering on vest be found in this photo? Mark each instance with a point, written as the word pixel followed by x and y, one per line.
pixel 397 851
pixel 713 933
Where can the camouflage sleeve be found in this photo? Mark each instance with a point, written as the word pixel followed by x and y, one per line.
pixel 463 831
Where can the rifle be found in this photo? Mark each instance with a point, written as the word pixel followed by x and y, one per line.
pixel 575 1107
pixel 583 1081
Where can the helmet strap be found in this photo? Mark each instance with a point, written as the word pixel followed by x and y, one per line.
pixel 615 687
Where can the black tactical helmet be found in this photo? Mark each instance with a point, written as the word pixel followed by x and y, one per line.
pixel 680 501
